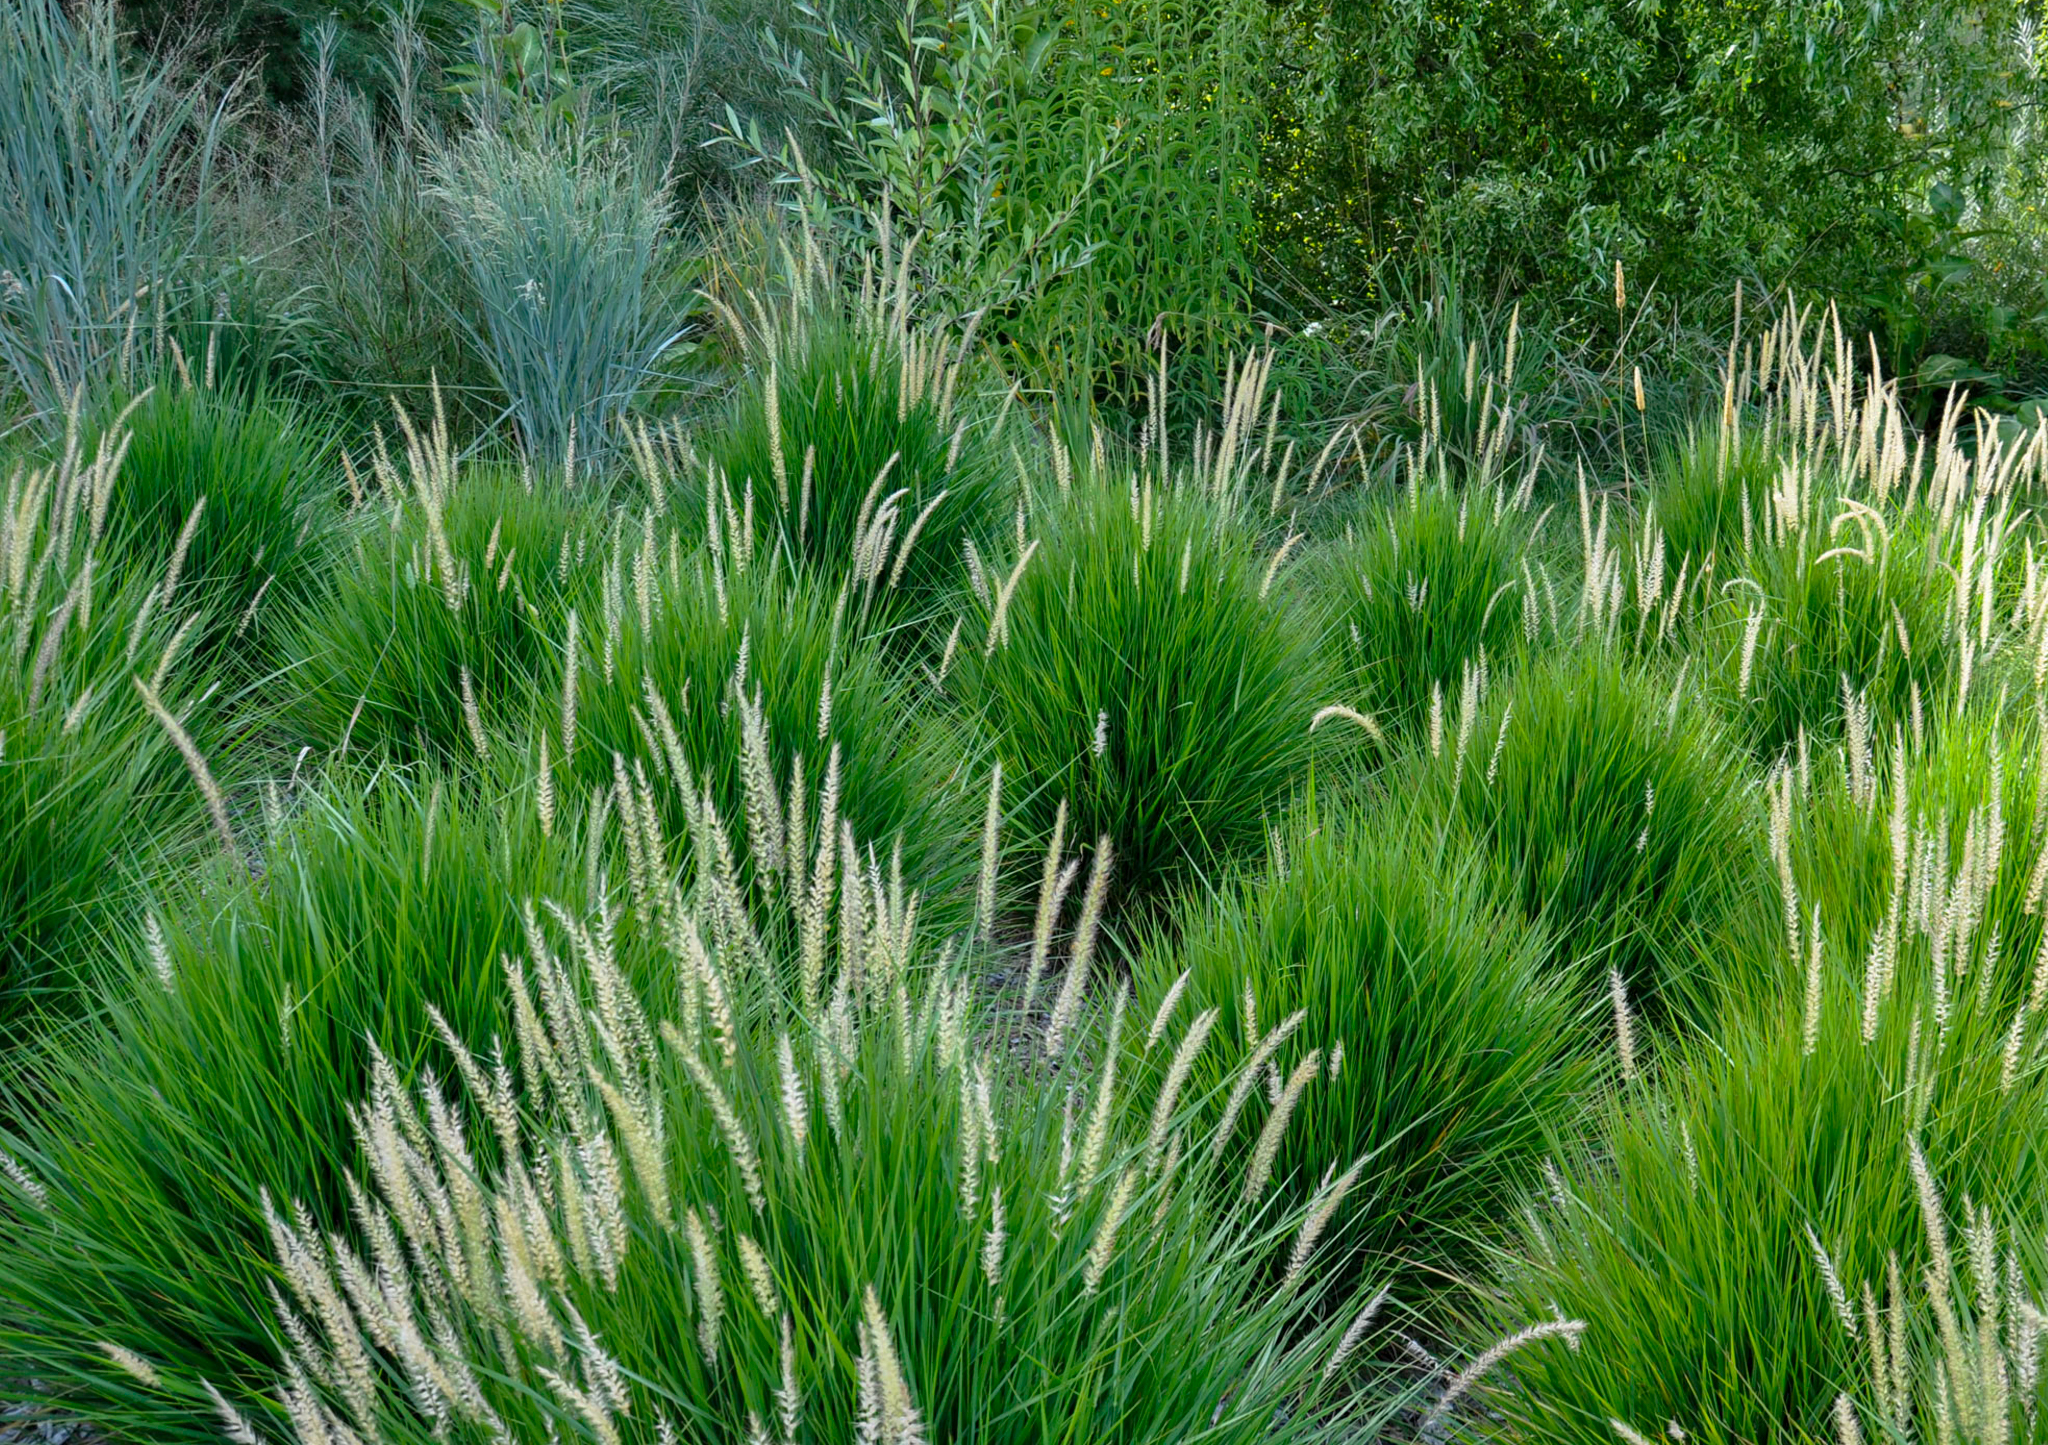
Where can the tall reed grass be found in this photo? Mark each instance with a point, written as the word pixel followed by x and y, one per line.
pixel 104 172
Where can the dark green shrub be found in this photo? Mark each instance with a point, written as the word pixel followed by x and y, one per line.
pixel 1550 139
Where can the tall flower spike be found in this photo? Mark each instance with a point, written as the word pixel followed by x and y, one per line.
pixel 991 840
pixel 1068 1004
pixel 710 1295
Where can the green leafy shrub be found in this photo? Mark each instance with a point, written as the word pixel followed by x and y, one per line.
pixel 1140 668
pixel 1610 804
pixel 1551 140
pixel 232 1046
pixel 1461 1049
pixel 383 652
pixel 1432 584
pixel 1076 175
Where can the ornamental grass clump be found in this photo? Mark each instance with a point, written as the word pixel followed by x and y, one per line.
pixel 1454 1049
pixel 233 1040
pixel 691 1202
pixel 1434 581
pixel 724 684
pixel 435 625
pixel 1820 622
pixel 1954 1353
pixel 94 792
pixel 1146 660
pixel 1717 1230
pixel 1607 801
pixel 1888 834
pixel 852 451
pixel 237 496
pixel 1712 495
pixel 560 234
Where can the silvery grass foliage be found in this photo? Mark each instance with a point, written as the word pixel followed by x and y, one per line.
pixel 733 1208
pixel 565 243
pixel 100 163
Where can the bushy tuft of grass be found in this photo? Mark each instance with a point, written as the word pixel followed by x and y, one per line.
pixel 237 491
pixel 1432 584
pixel 1611 804
pixel 231 1045
pixel 1461 1049
pixel 93 793
pixel 863 1216
pixel 1142 666
pixel 379 656
pixel 862 466
pixel 1824 623
pixel 1712 496
pixel 754 677
pixel 1690 1232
